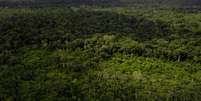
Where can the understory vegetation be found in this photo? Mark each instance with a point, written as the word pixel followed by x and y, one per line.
pixel 99 54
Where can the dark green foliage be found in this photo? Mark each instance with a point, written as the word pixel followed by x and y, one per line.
pixel 50 27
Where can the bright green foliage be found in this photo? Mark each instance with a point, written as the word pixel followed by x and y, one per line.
pixel 129 77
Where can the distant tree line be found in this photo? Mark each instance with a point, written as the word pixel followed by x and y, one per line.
pixel 39 3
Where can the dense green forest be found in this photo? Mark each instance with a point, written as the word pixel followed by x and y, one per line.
pixel 100 54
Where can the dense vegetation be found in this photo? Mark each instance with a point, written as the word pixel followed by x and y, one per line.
pixel 103 54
